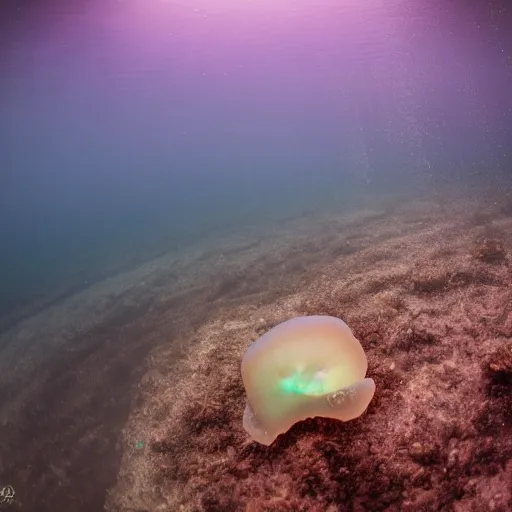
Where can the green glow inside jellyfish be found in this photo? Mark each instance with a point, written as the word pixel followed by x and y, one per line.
pixel 305 383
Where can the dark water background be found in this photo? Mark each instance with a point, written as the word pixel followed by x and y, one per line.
pixel 130 127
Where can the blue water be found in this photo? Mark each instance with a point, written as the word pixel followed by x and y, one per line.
pixel 129 129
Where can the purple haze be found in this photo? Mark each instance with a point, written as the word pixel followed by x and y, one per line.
pixel 156 118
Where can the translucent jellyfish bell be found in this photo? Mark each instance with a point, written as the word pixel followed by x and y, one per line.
pixel 305 367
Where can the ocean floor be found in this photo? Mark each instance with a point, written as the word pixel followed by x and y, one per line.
pixel 129 391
